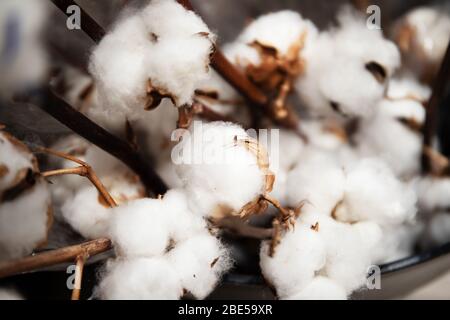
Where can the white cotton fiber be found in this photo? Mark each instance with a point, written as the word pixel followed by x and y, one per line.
pixel 139 279
pixel 200 262
pixel 337 80
pixel 24 222
pixel 373 193
pixel 297 258
pixel 320 288
pixel 183 224
pixel 87 213
pixel 217 169
pixel 164 48
pixel 140 228
pixel 279 30
pixel 14 159
pixel 318 181
pixel 433 193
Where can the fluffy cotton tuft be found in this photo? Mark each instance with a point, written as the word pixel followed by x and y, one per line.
pixel 162 50
pixel 373 193
pixel 25 212
pixel 140 228
pixel 347 69
pixel 219 168
pixel 200 262
pixel 139 279
pixel 297 258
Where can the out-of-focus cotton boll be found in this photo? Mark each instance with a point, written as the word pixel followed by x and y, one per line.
pixel 24 222
pixel 297 258
pixel 279 30
pixel 10 294
pixel 200 262
pixel 21 24
pixel 336 72
pixel 438 230
pixel 146 57
pixel 398 241
pixel 25 205
pixel 373 193
pixel 322 135
pixel 422 35
pixel 85 212
pixel 321 288
pixel 221 167
pixel 433 193
pixel 318 181
pixel 139 279
pixel 140 228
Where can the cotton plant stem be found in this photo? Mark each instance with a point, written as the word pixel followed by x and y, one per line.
pixel 236 226
pixel 432 112
pixel 80 261
pixel 88 24
pixel 88 173
pixel 89 130
pixel 54 257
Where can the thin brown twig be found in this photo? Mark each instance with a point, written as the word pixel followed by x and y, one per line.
pixel 432 112
pixel 49 102
pixel 80 261
pixel 54 257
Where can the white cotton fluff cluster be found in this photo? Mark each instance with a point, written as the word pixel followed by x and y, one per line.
pixel 280 30
pixel 10 294
pixel 354 214
pixel 394 132
pixel 23 62
pixel 219 167
pixel 336 256
pixel 347 69
pixel 163 48
pixel 422 35
pixel 80 203
pixel 26 218
pixel 164 251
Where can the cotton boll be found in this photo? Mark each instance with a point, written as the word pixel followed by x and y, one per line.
pixel 147 56
pixel 347 70
pixel 10 294
pixel 373 193
pixel 200 262
pixel 398 242
pixel 439 229
pixel 320 288
pixel 183 223
pixel 349 248
pixel 22 23
pixel 324 135
pixel 389 137
pixel 422 35
pixel 139 279
pixel 122 89
pixel 433 193
pixel 140 228
pixel 86 214
pixel 408 88
pixel 318 181
pixel 24 222
pixel 219 168
pixel 279 30
pixel 15 161
pixel 297 258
